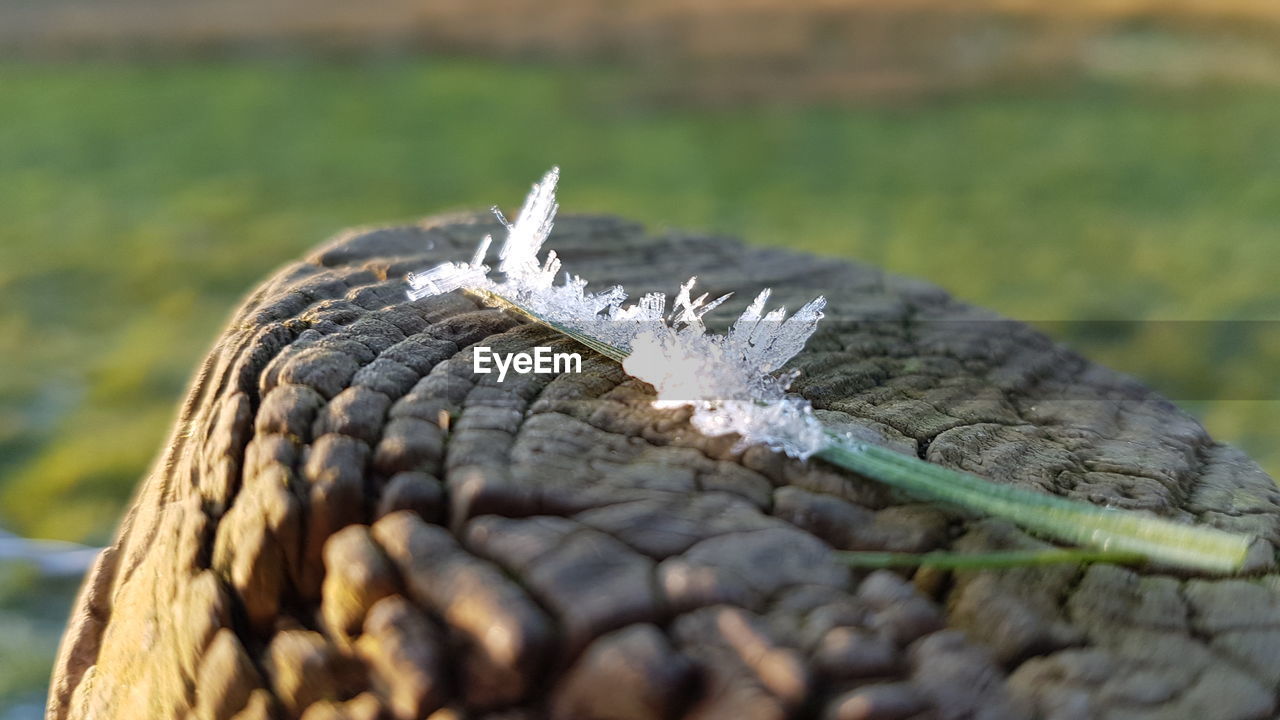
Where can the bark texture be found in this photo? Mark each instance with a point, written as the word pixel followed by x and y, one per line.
pixel 348 523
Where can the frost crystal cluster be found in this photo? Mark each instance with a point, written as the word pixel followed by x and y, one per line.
pixel 730 380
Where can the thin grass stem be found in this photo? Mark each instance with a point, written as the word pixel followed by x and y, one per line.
pixel 1071 521
pixel 994 560
pixel 1106 530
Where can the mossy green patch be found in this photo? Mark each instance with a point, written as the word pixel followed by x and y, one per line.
pixel 142 201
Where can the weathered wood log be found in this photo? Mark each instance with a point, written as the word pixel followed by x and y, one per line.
pixel 349 523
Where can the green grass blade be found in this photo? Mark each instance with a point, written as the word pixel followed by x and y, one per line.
pixel 1103 529
pixel 985 560
pixel 1048 515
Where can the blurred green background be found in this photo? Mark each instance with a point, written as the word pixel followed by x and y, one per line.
pixel 1107 166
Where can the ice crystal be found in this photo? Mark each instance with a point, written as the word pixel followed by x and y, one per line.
pixel 730 380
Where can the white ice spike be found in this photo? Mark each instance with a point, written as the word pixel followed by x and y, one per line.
pixel 729 379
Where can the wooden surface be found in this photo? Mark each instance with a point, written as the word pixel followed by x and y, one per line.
pixel 347 523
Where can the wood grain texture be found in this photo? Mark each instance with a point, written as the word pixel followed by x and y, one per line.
pixel 347 523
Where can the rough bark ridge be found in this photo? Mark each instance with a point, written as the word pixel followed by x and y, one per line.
pixel 347 523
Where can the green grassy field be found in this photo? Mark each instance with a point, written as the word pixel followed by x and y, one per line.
pixel 139 202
